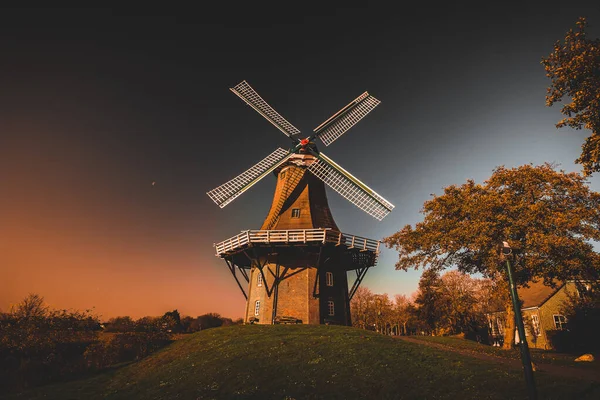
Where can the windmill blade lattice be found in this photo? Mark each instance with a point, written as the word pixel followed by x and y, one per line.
pixel 232 189
pixel 253 99
pixel 350 187
pixel 346 118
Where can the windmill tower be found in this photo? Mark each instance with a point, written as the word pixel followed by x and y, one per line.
pixel 296 266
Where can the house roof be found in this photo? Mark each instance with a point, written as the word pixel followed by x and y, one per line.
pixel 537 293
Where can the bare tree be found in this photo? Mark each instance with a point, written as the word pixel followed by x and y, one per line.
pixel 31 306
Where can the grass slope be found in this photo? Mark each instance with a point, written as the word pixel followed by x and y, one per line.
pixel 537 355
pixel 308 362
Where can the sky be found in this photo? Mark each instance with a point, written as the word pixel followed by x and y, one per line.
pixel 95 105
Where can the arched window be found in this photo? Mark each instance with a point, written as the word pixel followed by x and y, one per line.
pixel 331 307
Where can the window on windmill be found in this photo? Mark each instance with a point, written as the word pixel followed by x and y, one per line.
pixel 329 278
pixel 560 322
pixel 295 213
pixel 331 307
pixel 259 279
pixel 257 307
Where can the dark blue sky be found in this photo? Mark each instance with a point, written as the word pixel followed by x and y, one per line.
pixel 97 104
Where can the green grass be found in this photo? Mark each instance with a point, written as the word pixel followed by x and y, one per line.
pixel 537 355
pixel 308 362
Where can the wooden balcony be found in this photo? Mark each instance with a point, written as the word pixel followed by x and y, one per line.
pixel 296 237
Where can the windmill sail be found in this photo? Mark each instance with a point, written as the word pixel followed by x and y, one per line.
pixel 230 190
pixel 253 99
pixel 346 118
pixel 350 187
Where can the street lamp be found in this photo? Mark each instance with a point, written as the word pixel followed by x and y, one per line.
pixel 525 357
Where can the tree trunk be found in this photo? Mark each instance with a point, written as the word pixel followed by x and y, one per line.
pixel 509 326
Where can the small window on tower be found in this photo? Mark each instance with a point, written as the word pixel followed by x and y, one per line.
pixel 259 279
pixel 329 278
pixel 257 307
pixel 331 307
pixel 295 213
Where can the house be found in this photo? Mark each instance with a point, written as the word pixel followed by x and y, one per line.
pixel 542 310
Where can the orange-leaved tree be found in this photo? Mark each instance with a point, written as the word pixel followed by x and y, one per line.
pixel 574 68
pixel 551 218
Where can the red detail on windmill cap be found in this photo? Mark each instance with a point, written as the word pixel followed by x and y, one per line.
pixel 304 142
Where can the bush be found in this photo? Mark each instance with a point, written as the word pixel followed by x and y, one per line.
pixel 582 310
pixel 561 340
pixel 123 347
pixel 38 345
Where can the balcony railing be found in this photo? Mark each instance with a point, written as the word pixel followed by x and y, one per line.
pixel 310 236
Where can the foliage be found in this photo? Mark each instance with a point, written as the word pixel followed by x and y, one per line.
pixel 403 314
pixel 574 68
pixel 123 347
pixel 549 217
pixel 120 324
pixel 171 321
pixel 32 306
pixel 455 303
pixel 361 308
pixel 210 320
pixel 39 345
pixel 452 303
pixel 377 312
pixel 582 310
pixel 310 362
pixel 429 302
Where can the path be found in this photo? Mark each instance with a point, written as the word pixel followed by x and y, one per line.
pixel 545 368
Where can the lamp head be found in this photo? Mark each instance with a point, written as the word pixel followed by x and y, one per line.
pixel 506 250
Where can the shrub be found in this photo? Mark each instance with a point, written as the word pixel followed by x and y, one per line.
pixel 560 340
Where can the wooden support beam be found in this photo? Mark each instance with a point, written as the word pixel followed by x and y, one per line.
pixel 232 270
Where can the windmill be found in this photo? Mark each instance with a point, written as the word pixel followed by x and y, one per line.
pixel 299 243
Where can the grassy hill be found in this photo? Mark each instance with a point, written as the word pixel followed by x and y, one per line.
pixel 308 362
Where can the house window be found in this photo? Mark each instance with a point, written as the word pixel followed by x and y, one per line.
pixel 331 307
pixel 584 290
pixel 560 322
pixel 257 307
pixel 500 325
pixel 329 278
pixel 295 213
pixel 259 279
pixel 535 322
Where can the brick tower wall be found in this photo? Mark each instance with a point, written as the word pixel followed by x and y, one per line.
pixel 296 296
pixel 299 202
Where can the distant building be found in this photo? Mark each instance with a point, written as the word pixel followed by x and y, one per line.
pixel 542 313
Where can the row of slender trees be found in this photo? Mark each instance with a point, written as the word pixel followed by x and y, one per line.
pixel 453 303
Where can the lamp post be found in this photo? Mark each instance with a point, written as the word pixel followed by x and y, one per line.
pixel 525 357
